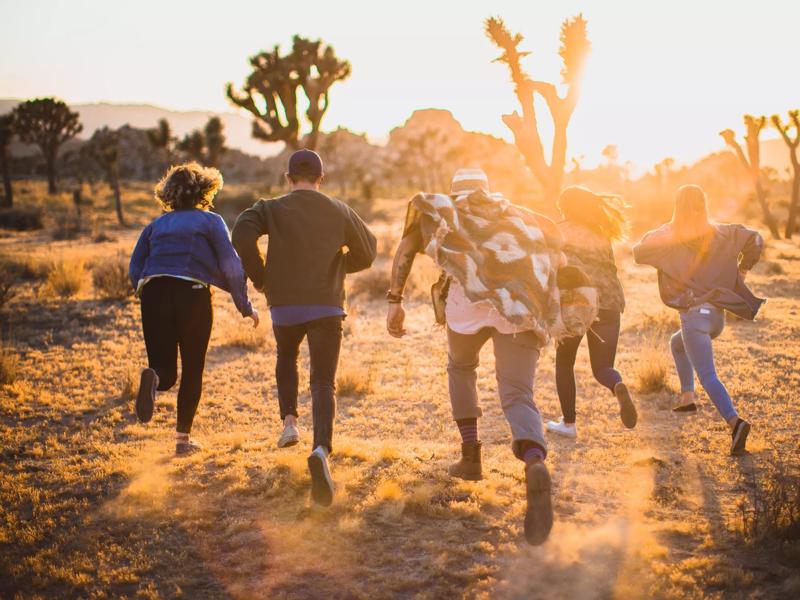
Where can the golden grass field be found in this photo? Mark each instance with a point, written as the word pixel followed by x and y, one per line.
pixel 93 504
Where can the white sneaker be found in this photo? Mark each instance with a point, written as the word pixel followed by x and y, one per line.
pixel 561 428
pixel 289 437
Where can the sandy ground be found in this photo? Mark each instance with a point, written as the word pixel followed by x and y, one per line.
pixel 93 504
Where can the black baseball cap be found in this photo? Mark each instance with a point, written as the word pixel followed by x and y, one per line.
pixel 305 163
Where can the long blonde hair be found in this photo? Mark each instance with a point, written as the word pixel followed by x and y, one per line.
pixel 690 220
pixel 603 213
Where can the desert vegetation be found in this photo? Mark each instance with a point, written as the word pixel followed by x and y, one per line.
pixel 94 504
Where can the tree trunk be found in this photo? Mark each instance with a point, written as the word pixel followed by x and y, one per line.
pixel 790 228
pixel 51 173
pixel 769 221
pixel 117 198
pixel 8 198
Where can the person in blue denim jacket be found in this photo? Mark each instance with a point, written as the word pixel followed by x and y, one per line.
pixel 701 273
pixel 177 259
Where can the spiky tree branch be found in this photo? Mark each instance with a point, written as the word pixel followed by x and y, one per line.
pixel 574 49
pixel 48 123
pixel 792 143
pixel 752 162
pixel 270 91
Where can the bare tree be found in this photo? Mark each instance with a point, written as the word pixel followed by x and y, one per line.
pixel 575 47
pixel 48 123
pixel 104 150
pixel 161 139
pixel 270 91
pixel 752 162
pixel 215 141
pixel 792 143
pixel 6 133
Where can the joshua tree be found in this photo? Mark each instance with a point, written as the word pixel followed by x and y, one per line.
pixel 193 145
pixel 161 139
pixel 792 143
pixel 575 47
pixel 48 123
pixel 752 162
pixel 104 150
pixel 270 92
pixel 215 141
pixel 6 133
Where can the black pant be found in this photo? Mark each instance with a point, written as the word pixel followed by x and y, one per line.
pixel 324 342
pixel 603 337
pixel 177 314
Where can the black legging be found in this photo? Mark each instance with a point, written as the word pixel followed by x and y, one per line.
pixel 603 337
pixel 324 342
pixel 177 313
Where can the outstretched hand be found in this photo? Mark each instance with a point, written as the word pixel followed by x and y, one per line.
pixel 254 317
pixel 395 320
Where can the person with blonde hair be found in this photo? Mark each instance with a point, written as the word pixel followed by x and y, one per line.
pixel 591 223
pixel 701 273
pixel 177 259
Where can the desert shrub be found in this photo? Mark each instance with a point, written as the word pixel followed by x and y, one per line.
pixel 64 227
pixel 8 283
pixel 652 367
pixel 773 268
pixel 129 386
pixel 353 382
pixel 371 284
pixel 21 218
pixel 66 278
pixel 245 337
pixel 25 268
pixel 111 280
pixel 772 510
pixel 8 364
pixel 659 324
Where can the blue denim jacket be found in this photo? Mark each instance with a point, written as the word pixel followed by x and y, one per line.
pixel 191 243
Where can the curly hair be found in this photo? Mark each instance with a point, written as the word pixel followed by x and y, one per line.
pixel 603 213
pixel 189 185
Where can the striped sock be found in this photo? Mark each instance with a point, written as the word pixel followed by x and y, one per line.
pixel 468 428
pixel 533 454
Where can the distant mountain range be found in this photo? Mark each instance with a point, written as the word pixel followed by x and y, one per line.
pixel 238 127
pixel 95 116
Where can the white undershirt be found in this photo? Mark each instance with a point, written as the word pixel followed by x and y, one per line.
pixel 467 317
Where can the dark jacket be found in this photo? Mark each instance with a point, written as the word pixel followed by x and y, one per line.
pixel 191 243
pixel 688 278
pixel 306 262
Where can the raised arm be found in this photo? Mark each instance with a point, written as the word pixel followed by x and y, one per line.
pixel 249 227
pixel 751 245
pixel 362 247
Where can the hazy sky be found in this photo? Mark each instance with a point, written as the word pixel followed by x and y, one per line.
pixel 663 78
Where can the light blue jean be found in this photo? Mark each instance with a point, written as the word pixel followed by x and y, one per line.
pixel 692 351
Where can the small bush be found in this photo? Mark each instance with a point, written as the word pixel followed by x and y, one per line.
pixel 651 370
pixel 245 337
pixel 65 227
pixel 662 323
pixel 8 283
pixel 8 364
pixel 129 386
pixel 21 218
pixel 111 280
pixel 353 382
pixel 371 284
pixel 25 268
pixel 772 511
pixel 65 279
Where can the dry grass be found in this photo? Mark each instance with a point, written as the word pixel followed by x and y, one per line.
pixel 652 367
pixel 66 278
pixel 9 363
pixel 93 504
pixel 8 284
pixel 771 512
pixel 353 381
pixel 110 279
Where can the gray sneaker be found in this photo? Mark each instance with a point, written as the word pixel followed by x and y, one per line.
pixel 289 437
pixel 184 447
pixel 321 480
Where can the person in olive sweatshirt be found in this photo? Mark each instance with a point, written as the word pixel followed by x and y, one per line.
pixel 303 279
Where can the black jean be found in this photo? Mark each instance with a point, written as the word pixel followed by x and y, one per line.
pixel 324 343
pixel 603 338
pixel 177 313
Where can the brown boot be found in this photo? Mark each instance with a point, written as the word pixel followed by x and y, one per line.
pixel 539 512
pixel 469 467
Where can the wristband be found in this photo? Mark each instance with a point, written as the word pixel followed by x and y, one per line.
pixel 394 298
